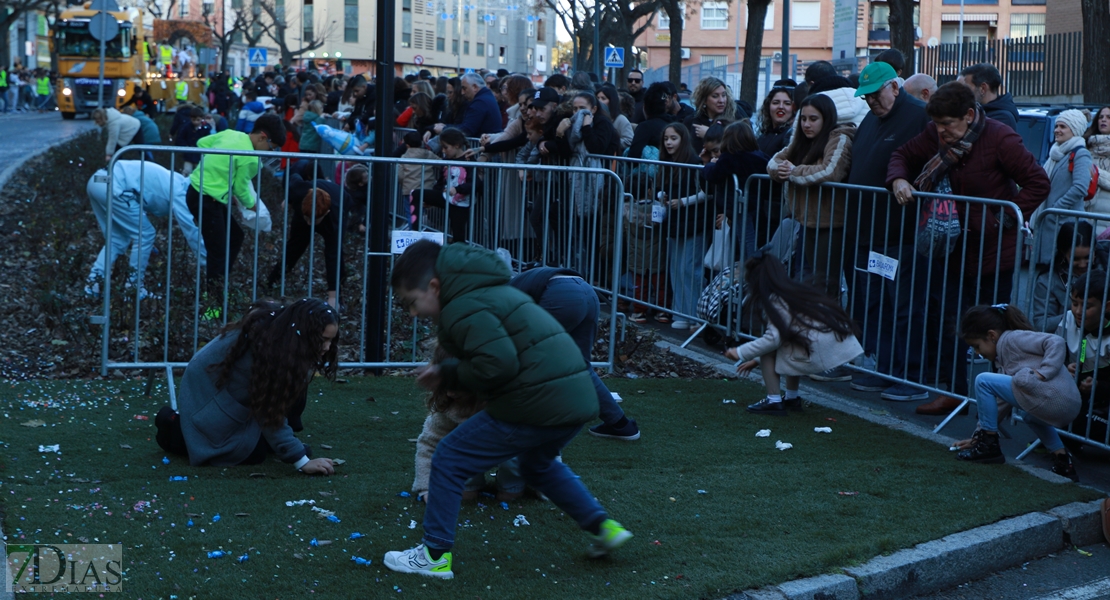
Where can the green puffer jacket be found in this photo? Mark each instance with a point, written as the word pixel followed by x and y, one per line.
pixel 511 352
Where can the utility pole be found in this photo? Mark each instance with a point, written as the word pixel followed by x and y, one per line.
pixel 786 39
pixel 375 303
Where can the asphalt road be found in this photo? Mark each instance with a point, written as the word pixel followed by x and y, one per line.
pixel 1066 575
pixel 26 134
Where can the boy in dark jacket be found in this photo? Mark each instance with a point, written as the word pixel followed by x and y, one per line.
pixel 517 358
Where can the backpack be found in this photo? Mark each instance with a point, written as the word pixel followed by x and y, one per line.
pixel 1091 189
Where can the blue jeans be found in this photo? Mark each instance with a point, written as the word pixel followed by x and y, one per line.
pixel 685 270
pixel 988 387
pixel 480 443
pixel 574 304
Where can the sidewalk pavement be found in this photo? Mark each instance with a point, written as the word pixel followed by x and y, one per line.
pixel 955 559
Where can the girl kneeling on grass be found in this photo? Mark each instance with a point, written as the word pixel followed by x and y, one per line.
pixel 807 332
pixel 1031 376
pixel 243 394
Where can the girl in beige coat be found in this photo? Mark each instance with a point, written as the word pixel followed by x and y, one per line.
pixel 807 332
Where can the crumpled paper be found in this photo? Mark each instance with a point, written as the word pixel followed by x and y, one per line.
pixel 520 520
pixel 822 430
pixel 55 448
pixel 763 433
pixel 781 445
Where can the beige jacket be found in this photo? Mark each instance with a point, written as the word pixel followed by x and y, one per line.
pixel 811 205
pixel 1026 354
pixel 418 177
pixel 121 130
pixel 828 351
pixel 436 427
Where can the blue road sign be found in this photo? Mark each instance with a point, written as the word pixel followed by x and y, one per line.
pixel 614 58
pixel 256 57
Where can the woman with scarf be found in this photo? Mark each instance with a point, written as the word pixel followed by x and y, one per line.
pixel 1098 142
pixel 964 153
pixel 1069 169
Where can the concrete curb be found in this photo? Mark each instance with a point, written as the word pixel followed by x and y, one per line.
pixel 938 564
pixel 10 170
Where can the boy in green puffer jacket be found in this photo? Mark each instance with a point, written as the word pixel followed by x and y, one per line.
pixel 517 358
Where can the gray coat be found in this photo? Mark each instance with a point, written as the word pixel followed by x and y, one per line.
pixel 216 422
pixel 1069 188
pixel 1025 355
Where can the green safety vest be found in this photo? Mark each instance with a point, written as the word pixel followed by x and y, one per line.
pixel 182 89
pixel 3 78
pixel 146 52
pixel 44 86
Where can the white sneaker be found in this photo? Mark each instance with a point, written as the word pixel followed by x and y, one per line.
pixel 416 560
pixel 680 324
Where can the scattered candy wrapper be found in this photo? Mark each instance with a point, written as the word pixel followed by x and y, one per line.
pixel 333 518
pixel 412 524
pixel 657 543
pixel 763 433
pixel 616 397
pixel 244 558
pixel 702 492
pixel 781 445
pixel 728 401
pixel 822 430
pixel 848 493
pixel 316 542
pixel 325 446
pixel 1082 551
pixel 520 520
pixel 217 554
pixel 830 419
pixel 299 502
pixel 179 478
pixel 165 460
pixel 360 561
pixel 356 535
pixel 189 523
pixel 34 423
pixel 952 448
pixel 404 494
pixel 142 418
pixel 337 461
pixel 216 518
pixel 55 448
pixel 505 506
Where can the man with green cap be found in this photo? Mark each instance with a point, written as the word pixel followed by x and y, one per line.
pixel 876 223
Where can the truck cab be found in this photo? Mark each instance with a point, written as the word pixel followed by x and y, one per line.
pixel 78 52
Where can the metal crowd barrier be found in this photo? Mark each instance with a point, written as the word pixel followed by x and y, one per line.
pixel 161 328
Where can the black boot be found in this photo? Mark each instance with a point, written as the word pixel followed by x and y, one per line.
pixel 984 449
pixel 1063 465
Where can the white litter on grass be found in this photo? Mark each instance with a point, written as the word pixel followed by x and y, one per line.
pixel 412 524
pixel 822 430
pixel 323 512
pixel 55 448
pixel 299 502
pixel 781 445
pixel 520 520
pixel 616 397
pixel 728 401
pixel 763 433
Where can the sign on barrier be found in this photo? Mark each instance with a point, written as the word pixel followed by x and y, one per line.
pixel 401 240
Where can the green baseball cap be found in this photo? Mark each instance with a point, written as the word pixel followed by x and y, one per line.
pixel 873 77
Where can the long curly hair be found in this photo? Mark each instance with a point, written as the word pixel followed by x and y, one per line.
pixel 284 342
pixel 704 90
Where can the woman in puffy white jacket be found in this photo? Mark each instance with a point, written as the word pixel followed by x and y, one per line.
pixel 1098 142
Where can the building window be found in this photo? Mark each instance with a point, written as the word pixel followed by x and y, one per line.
pixel 406 28
pixel 880 17
pixel 466 47
pixel 454 46
pixel 768 21
pixel 306 22
pixel 531 57
pixel 714 15
pixel 715 60
pixel 184 8
pixel 279 8
pixel 805 15
pixel 236 4
pixel 441 44
pixel 503 24
pixel 479 49
pixel 1024 25
pixel 466 22
pixel 350 21
pixel 539 30
pixel 531 29
pixel 665 21
pixel 501 56
pixel 237 37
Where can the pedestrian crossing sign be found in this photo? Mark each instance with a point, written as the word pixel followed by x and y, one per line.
pixel 614 58
pixel 257 57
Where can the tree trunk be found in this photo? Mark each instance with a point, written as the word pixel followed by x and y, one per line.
pixel 902 33
pixel 1096 51
pixel 753 51
pixel 674 13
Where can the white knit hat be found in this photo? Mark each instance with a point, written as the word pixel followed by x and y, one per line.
pixel 1075 120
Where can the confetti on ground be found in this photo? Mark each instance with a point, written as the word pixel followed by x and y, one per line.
pixel 781 445
pixel 34 423
pixel 325 446
pixel 520 520
pixel 657 543
pixel 1082 551
pixel 412 524
pixel 360 561
pixel 822 430
pixel 217 554
pixel 338 461
pixel 299 502
pixel 404 494
pixel 179 478
pixel 142 418
pixel 728 401
pixel 356 535
pixel 244 558
pixel 55 448
pixel 702 492
pixel 763 433
pixel 125 446
pixel 848 493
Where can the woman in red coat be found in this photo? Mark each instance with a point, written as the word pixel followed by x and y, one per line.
pixel 964 153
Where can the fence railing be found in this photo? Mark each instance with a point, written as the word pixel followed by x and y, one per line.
pixel 1035 66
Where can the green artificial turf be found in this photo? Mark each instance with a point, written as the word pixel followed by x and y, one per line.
pixel 714 508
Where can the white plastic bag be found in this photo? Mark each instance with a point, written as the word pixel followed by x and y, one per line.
pixel 259 218
pixel 717 256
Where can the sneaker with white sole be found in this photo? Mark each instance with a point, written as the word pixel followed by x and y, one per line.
pixel 904 393
pixel 681 324
pixel 417 560
pixel 837 374
pixel 629 433
pixel 869 383
pixel 612 536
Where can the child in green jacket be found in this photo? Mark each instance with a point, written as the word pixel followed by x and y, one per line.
pixel 516 357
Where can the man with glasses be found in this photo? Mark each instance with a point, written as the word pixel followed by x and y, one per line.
pixel 218 179
pixel 874 222
pixel 636 90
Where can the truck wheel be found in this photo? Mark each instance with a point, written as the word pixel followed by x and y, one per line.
pixel 68 116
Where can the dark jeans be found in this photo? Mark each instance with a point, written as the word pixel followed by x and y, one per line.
pixel 481 443
pixel 893 313
pixel 300 237
pixel 458 217
pixel 574 304
pixel 212 217
pixel 952 300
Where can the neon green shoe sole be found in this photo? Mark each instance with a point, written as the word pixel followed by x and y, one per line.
pixel 612 536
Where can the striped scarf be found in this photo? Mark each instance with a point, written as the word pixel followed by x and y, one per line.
pixel 948 156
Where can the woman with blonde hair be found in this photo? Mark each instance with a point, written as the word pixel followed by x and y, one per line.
pixel 713 104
